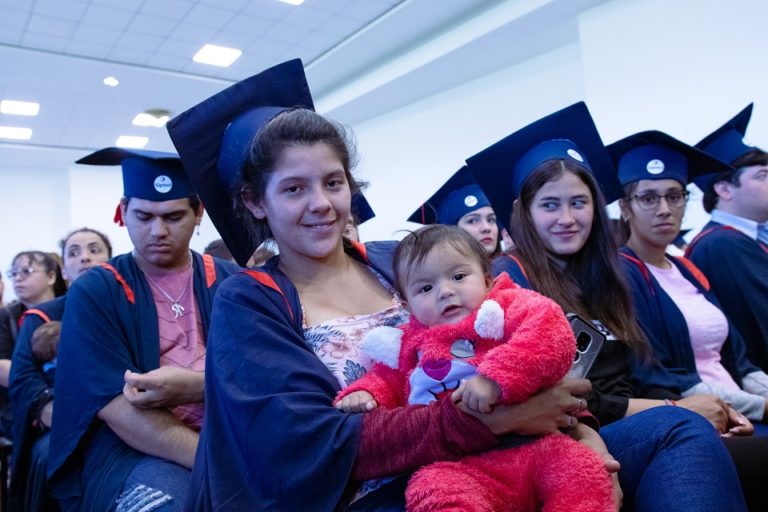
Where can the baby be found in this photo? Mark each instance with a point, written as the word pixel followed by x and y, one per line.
pixel 501 344
pixel 45 345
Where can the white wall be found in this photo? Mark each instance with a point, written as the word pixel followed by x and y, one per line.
pixel 407 154
pixel 34 213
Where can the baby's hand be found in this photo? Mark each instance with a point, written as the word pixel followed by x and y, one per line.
pixel 357 401
pixel 480 394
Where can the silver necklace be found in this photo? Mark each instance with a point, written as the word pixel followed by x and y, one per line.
pixel 177 308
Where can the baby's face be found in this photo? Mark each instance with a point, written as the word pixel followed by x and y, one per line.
pixel 446 287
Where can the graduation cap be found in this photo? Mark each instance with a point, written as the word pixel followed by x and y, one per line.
pixel 679 240
pixel 568 134
pixel 455 198
pixel 654 155
pixel 214 138
pixel 726 143
pixel 361 210
pixel 150 175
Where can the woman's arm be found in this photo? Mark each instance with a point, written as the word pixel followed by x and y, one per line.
pixel 407 438
pixel 715 410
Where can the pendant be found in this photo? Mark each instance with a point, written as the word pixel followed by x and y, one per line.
pixel 177 309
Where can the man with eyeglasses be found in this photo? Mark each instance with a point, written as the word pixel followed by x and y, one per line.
pixel 732 249
pixel 130 369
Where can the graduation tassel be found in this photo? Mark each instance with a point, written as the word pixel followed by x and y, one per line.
pixel 118 218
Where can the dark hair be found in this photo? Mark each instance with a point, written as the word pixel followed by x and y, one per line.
pixel 289 128
pixel 591 283
pixel 218 249
pixel 49 263
pixel 415 247
pixel 104 239
pixel 753 157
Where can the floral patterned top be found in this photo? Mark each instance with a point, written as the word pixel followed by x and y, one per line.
pixel 337 342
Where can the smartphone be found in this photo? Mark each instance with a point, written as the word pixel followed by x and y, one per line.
pixel 589 341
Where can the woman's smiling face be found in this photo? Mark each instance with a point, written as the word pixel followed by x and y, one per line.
pixel 306 202
pixel 562 211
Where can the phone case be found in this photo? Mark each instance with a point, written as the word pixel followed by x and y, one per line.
pixel 589 341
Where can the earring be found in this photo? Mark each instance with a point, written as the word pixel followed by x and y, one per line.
pixel 197 229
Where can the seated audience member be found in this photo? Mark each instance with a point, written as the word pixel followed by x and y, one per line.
pixel 732 249
pixel 2 291
pixel 360 212
pixel 36 278
pixel 461 202
pixel 671 458
pixel 32 372
pixel 218 249
pixel 285 337
pixel 689 334
pixel 130 366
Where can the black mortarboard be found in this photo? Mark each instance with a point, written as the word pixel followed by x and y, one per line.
pixel 568 134
pixel 360 208
pixel 726 143
pixel 151 175
pixel 654 155
pixel 457 197
pixel 214 137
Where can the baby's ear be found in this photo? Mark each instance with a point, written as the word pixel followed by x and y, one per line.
pixel 490 320
pixel 382 344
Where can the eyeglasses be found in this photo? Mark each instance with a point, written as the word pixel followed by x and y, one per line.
pixel 23 272
pixel 651 200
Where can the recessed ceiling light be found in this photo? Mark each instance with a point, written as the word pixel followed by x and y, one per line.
pixel 217 55
pixel 293 2
pixel 155 118
pixel 13 132
pixel 111 81
pixel 128 141
pixel 19 108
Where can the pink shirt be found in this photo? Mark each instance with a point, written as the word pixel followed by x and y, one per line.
pixel 707 325
pixel 181 339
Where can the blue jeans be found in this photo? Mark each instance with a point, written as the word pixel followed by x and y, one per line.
pixel 673 460
pixel 154 485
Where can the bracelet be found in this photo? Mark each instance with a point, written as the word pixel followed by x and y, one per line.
pixel 667 401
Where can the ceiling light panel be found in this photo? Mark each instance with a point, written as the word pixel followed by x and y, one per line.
pixel 217 55
pixel 19 108
pixel 145 119
pixel 16 133
pixel 132 142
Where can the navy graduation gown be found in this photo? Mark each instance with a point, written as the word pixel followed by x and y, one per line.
pixel 737 269
pixel 109 326
pixel 27 384
pixel 271 440
pixel 666 329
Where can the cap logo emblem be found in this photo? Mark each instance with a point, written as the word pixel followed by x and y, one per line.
pixel 655 166
pixel 470 201
pixel 575 155
pixel 163 184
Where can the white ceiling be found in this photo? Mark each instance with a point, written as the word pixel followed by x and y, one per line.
pixel 363 57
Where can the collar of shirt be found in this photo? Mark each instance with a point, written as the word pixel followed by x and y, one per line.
pixel 746 226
